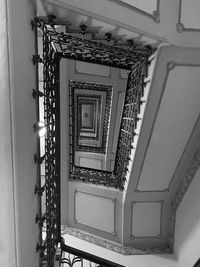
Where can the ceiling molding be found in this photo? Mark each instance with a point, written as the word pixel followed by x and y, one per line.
pixel 113 246
pixel 180 27
pixel 189 175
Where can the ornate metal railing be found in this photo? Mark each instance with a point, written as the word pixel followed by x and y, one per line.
pixel 131 110
pixel 92 176
pixel 51 158
pixel 73 111
pixel 74 257
pixel 52 145
pixel 197 264
pixel 55 46
pixel 38 190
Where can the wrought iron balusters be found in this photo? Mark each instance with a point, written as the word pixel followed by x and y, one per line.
pixel 36 60
pixel 52 145
pixel 55 46
pixel 74 257
pixel 131 110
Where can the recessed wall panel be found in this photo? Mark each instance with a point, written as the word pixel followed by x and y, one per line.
pixel 146 219
pixel 145 5
pixel 90 163
pixel 190 11
pixel 177 115
pixel 92 69
pixel 95 211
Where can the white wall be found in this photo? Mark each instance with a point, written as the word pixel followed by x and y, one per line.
pixel 7 221
pixel 23 115
pixel 187 236
pixel 187 231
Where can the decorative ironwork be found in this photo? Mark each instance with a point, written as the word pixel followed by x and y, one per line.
pixel 72 47
pixel 55 46
pixel 40 246
pixel 89 51
pixel 93 87
pixel 131 110
pixel 88 99
pixel 93 176
pixel 39 190
pixel 51 158
pixel 37 94
pixel 189 175
pixel 72 256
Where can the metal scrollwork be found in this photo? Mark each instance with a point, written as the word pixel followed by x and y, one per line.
pixel 71 260
pixel 93 87
pixel 131 110
pixel 86 50
pixel 75 257
pixel 51 158
pixel 93 176
pixel 55 46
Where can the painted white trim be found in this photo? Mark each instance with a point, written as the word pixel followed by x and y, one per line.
pixel 180 27
pixel 113 246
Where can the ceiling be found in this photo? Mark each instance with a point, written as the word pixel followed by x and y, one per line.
pixel 162 164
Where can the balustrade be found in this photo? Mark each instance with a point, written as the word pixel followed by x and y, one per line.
pixel 55 46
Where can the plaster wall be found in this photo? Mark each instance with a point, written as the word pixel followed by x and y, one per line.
pixel 23 140
pixel 187 231
pixel 7 208
pixel 182 57
pixel 187 234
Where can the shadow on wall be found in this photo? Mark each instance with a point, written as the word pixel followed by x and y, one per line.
pixel 187 230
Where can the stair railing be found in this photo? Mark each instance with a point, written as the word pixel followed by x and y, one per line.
pixel 71 256
pixel 56 46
